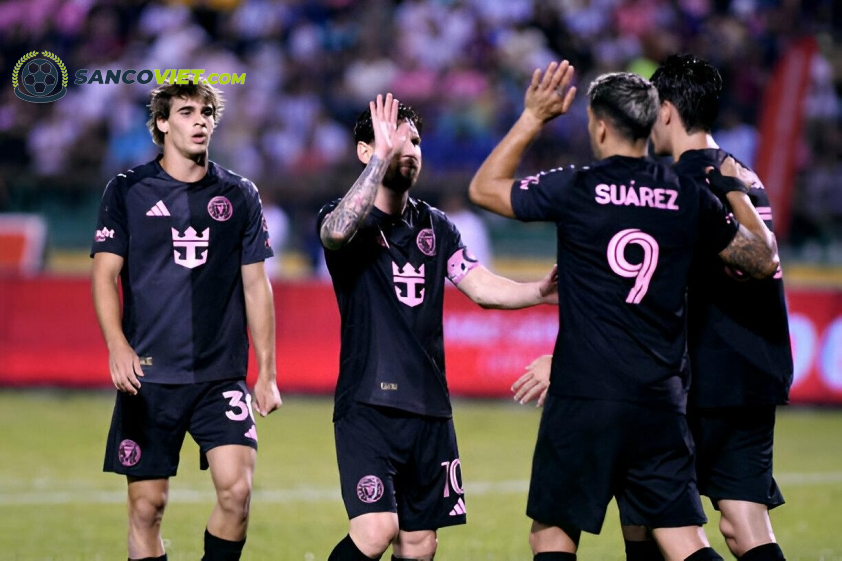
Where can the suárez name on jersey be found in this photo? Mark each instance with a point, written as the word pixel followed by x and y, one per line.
pixel 636 196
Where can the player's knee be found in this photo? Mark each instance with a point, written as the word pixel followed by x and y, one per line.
pixel 416 545
pixel 744 531
pixel 147 511
pixel 235 498
pixel 374 534
pixel 544 538
pixel 726 527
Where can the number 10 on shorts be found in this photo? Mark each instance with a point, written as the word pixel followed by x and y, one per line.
pixel 453 477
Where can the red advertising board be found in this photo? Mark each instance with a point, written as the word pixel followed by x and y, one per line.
pixel 49 337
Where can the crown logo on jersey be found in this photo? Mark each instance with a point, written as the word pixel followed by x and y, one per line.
pixel 193 246
pixel 412 280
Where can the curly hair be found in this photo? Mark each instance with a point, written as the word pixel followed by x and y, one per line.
pixel 161 101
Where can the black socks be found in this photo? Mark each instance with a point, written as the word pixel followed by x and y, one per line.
pixel 765 552
pixel 643 551
pixel 347 550
pixel 217 549
pixel 705 554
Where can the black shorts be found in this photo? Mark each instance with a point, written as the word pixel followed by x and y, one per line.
pixel 591 450
pixel 147 429
pixel 734 453
pixel 394 461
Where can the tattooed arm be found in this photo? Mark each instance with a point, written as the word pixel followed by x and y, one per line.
pixel 340 226
pixel 754 250
pixel 751 254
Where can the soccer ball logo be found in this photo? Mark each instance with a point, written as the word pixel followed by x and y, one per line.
pixel 38 80
pixel 39 77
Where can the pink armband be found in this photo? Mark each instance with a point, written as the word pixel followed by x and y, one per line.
pixel 460 264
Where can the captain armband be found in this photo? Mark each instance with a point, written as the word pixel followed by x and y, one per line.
pixel 460 264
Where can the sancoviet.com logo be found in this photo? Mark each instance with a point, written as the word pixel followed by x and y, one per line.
pixel 40 80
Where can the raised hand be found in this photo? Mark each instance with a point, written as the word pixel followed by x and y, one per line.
pixel 388 136
pixel 550 95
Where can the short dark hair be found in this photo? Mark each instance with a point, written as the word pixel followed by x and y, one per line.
pixel 628 100
pixel 693 85
pixel 161 98
pixel 364 130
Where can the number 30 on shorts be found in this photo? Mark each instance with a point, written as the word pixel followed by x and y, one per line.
pixel 642 272
pixel 453 477
pixel 239 409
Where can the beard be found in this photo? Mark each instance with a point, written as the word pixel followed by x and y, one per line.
pixel 401 175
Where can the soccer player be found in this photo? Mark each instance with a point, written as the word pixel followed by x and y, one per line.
pixel 388 255
pixel 613 422
pixel 740 354
pixel 186 241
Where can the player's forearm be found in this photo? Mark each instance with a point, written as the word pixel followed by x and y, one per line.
pixel 491 185
pixel 747 215
pixel 505 294
pixel 340 226
pixel 106 298
pixel 260 314
pixel 751 254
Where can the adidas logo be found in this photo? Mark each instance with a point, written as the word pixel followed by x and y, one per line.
pixel 459 509
pixel 160 209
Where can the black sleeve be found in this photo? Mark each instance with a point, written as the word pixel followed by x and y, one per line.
pixel 717 225
pixel 542 197
pixel 256 246
pixel 112 228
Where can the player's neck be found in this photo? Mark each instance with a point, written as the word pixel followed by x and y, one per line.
pixel 390 202
pixel 695 141
pixel 616 147
pixel 180 168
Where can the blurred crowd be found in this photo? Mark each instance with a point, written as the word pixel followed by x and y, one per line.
pixel 312 66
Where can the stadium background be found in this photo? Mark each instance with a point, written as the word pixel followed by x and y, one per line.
pixel 311 66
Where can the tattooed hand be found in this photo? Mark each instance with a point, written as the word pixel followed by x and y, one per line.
pixel 340 226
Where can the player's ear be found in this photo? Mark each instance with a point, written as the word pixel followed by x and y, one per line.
pixel 163 125
pixel 364 152
pixel 600 132
pixel 667 109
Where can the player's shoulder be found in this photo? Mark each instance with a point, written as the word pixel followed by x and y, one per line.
pixel 329 206
pixel 422 208
pixel 228 177
pixel 129 178
pixel 425 213
pixel 327 209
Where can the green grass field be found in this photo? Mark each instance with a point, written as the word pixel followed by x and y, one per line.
pixel 56 504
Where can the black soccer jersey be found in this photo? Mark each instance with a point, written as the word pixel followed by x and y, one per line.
pixel 739 344
pixel 183 245
pixel 627 231
pixel 389 284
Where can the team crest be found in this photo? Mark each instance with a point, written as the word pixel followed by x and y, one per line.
pixel 220 209
pixel 128 453
pixel 426 241
pixel 370 489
